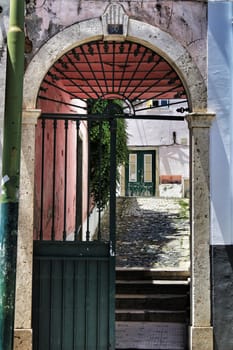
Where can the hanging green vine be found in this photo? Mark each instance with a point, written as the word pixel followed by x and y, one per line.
pixel 100 148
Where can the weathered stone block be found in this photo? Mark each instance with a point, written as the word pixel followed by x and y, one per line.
pixel 23 339
pixel 201 338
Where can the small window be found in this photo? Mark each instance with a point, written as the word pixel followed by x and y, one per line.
pixel 155 103
pixel 133 167
pixel 160 103
pixel 164 103
pixel 147 168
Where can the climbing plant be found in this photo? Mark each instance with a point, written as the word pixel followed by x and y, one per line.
pixel 99 133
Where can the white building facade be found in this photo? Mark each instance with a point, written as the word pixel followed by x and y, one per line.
pixel 220 82
pixel 169 139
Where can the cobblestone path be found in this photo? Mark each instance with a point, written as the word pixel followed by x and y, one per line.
pixel 153 232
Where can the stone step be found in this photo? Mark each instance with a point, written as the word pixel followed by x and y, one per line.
pixel 151 274
pixel 152 301
pixel 151 335
pixel 180 316
pixel 152 295
pixel 152 286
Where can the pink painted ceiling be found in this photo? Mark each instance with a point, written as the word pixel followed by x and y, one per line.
pixel 123 70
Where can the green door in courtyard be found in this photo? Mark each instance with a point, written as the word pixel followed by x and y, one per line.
pixel 140 174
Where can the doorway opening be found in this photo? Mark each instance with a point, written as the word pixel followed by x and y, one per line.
pixel 70 213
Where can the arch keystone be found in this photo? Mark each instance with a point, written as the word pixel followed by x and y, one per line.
pixel 115 22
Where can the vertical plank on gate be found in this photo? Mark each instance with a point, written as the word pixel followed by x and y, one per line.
pixel 44 305
pixel 103 305
pixel 91 301
pixel 79 304
pixel 67 305
pixel 56 302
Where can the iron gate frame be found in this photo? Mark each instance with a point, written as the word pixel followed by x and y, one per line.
pixel 61 251
pixel 52 256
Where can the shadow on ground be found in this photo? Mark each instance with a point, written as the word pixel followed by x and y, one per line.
pixel 152 232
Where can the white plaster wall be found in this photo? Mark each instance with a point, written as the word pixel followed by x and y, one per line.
pixel 174 160
pixel 156 132
pixel 220 65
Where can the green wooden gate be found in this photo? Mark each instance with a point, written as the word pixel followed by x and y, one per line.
pixel 73 296
pixel 140 174
pixel 74 266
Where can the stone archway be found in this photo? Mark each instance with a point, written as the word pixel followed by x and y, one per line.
pixel 199 124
